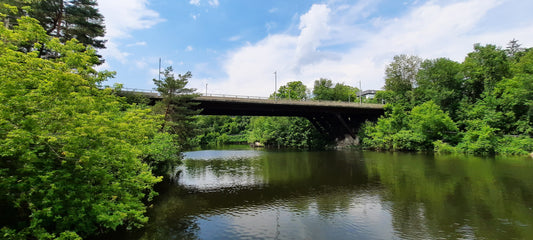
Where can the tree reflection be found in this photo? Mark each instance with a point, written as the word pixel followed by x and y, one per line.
pixel 456 196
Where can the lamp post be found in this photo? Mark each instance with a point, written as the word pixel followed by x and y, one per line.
pixel 275 85
pixel 361 93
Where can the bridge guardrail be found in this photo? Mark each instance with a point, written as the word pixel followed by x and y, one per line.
pixel 234 96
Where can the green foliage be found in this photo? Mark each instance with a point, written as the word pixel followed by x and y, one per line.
pixel 284 132
pixel 401 73
pixel 216 130
pixel 293 90
pixel 440 81
pixel 417 130
pixel 324 90
pixel 469 107
pixel 514 145
pixel 483 68
pixel 479 138
pixel 71 153
pixel 67 19
pixel 176 105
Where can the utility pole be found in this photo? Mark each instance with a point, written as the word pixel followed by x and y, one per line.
pixel 275 85
pixel 159 72
pixel 360 94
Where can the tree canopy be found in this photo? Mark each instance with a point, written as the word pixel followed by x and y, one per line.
pixel 71 153
pixel 482 105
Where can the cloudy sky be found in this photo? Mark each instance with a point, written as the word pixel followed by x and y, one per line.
pixel 235 46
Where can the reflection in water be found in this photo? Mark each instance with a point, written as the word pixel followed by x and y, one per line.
pixel 243 194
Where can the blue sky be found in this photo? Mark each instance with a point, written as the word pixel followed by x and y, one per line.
pixel 235 46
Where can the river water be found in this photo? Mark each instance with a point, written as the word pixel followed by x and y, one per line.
pixel 265 194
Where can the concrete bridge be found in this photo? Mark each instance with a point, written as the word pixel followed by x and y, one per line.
pixel 337 120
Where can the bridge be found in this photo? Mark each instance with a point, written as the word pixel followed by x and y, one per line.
pixel 337 120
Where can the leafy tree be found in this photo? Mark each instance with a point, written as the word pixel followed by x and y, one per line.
pixel 322 89
pixel 70 153
pixel 483 68
pixel 284 132
pixel 440 80
pixel 177 105
pixel 430 122
pixel 293 90
pixel 344 93
pixel 400 74
pixel 216 130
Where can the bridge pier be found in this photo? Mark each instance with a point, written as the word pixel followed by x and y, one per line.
pixel 337 127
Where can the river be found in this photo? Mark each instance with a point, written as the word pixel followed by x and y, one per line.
pixel 241 193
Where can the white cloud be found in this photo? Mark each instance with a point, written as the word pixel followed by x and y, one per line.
pixel 121 18
pixel 333 45
pixel 189 48
pixel 142 43
pixel 213 3
pixel 195 2
pixel 235 38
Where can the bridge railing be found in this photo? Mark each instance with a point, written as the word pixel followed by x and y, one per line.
pixel 156 93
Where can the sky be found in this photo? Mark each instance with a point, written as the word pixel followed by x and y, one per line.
pixel 234 47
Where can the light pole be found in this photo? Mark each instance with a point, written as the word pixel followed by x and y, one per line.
pixel 275 85
pixel 361 93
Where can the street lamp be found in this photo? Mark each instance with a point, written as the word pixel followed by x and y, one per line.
pixel 275 85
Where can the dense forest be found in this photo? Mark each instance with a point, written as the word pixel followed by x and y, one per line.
pixel 483 105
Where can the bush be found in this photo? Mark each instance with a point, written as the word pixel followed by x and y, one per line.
pixel 508 145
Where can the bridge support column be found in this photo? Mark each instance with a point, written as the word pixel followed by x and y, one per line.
pixel 337 127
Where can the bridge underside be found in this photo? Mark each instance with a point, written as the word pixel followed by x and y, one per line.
pixel 338 121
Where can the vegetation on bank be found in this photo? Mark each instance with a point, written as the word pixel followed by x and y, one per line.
pixel 480 106
pixel 483 105
pixel 75 159
pixel 286 132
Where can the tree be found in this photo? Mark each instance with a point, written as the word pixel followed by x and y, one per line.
pixel 483 68
pixel 176 105
pixel 70 153
pixel 295 90
pixel 513 49
pixel 344 93
pixel 400 74
pixel 441 81
pixel 322 89
pixel 67 19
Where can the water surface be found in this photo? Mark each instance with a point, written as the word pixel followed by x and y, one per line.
pixel 261 194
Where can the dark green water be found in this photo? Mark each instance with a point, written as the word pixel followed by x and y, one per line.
pixel 261 194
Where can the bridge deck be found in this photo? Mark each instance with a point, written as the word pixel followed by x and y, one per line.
pixel 310 103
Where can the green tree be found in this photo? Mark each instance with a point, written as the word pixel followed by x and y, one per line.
pixel 440 80
pixel 292 132
pixel 293 90
pixel 400 74
pixel 177 105
pixel 483 69
pixel 430 122
pixel 322 89
pixel 67 19
pixel 70 153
